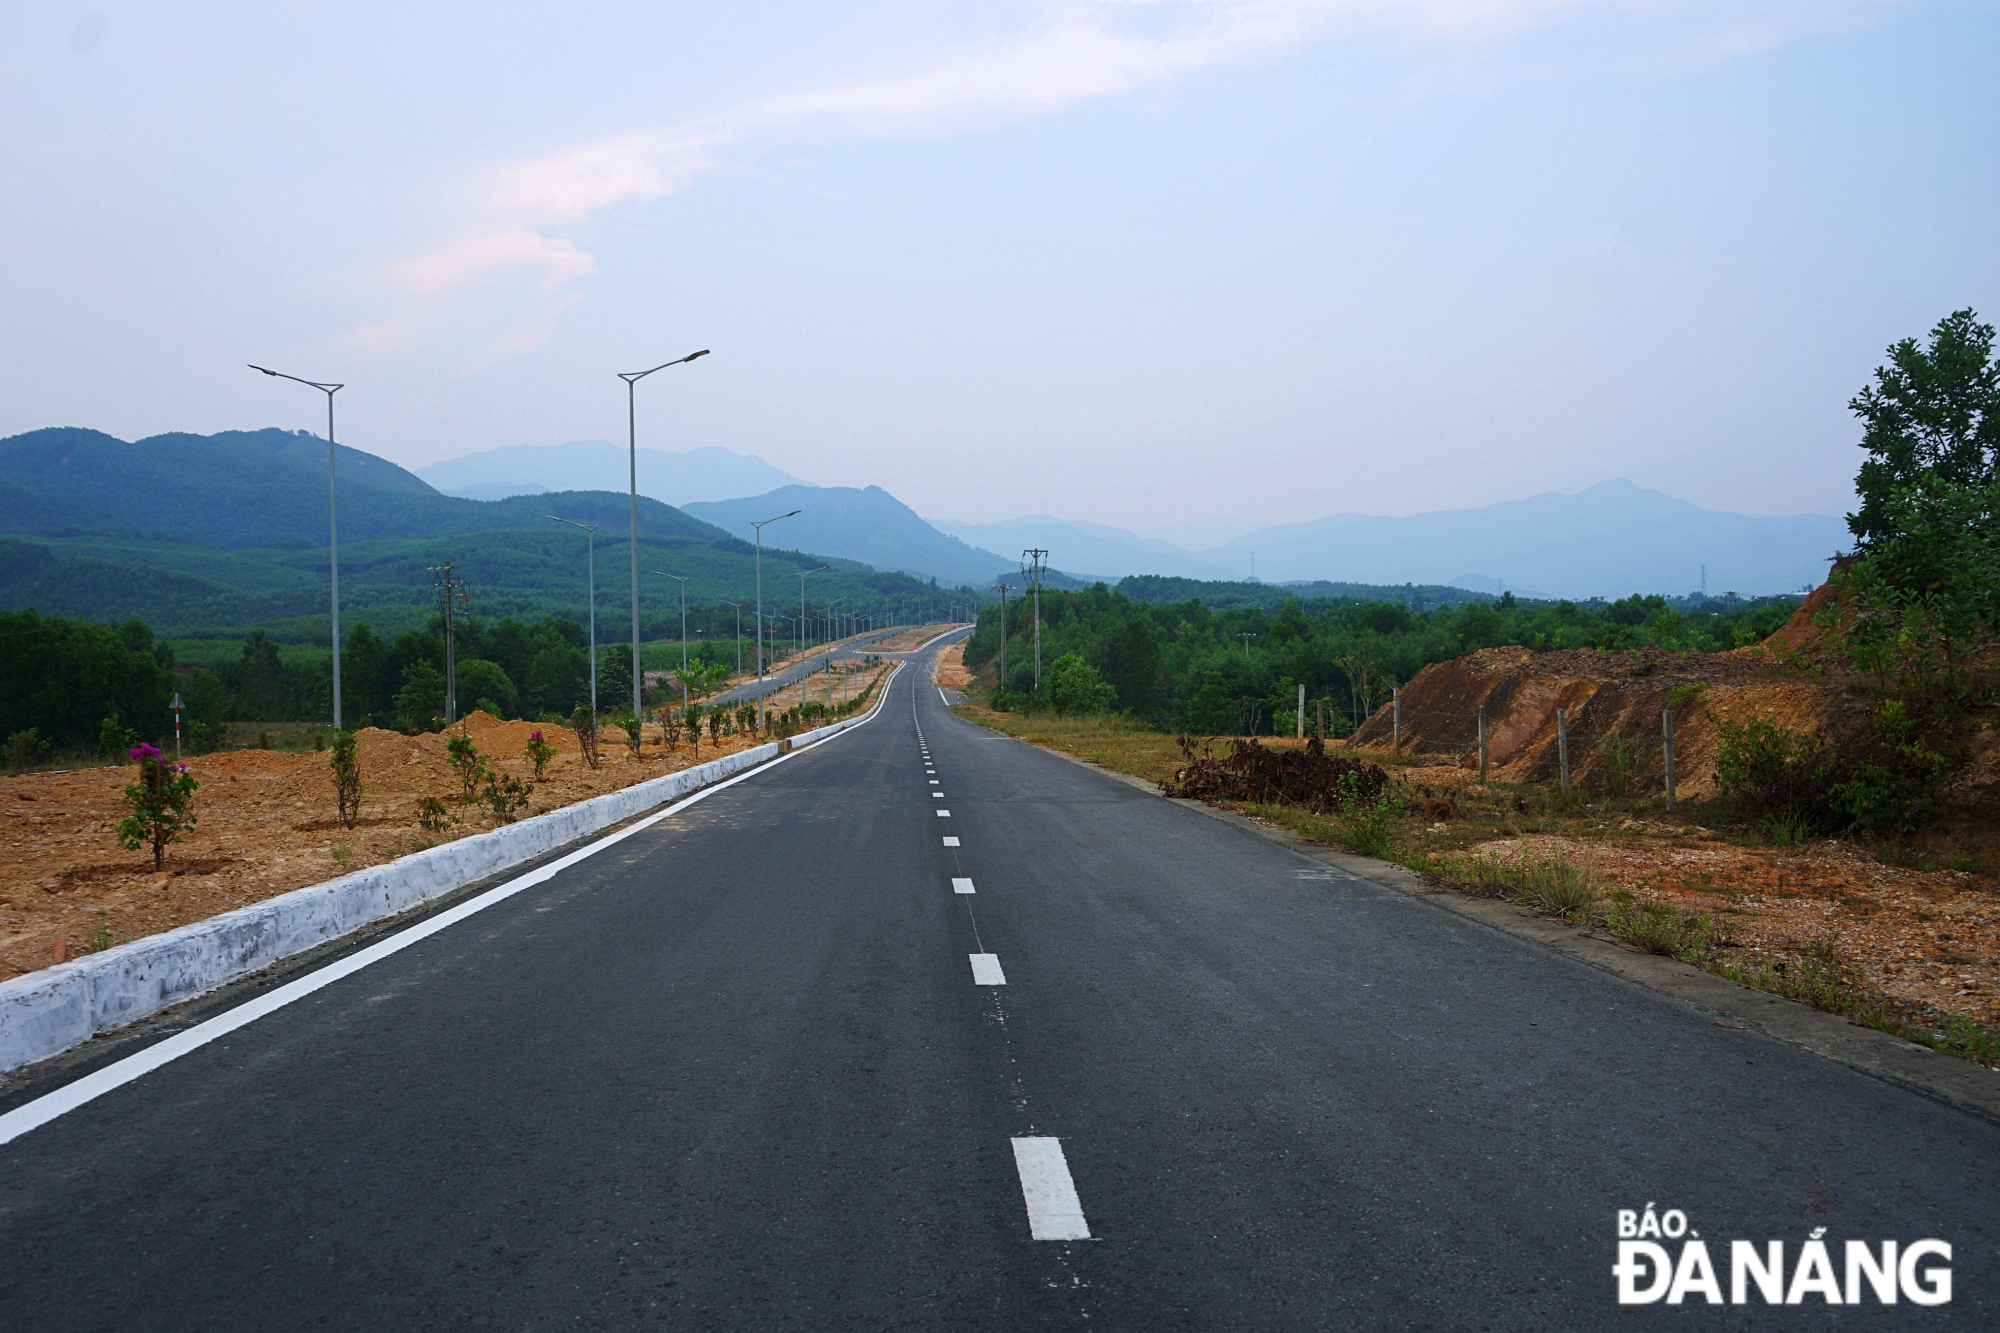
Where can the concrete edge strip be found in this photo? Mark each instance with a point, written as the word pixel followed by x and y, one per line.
pixel 1962 1084
pixel 39 1111
pixel 47 1012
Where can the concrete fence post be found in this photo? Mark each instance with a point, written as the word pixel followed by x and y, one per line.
pixel 1667 743
pixel 1482 745
pixel 1396 715
pixel 1562 746
pixel 1302 711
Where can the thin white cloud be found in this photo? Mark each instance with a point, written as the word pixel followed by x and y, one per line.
pixel 1082 50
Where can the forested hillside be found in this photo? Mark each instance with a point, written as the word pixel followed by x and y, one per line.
pixel 1189 666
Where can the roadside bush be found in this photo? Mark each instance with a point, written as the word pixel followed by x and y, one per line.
pixel 506 797
pixel 432 817
pixel 1368 825
pixel 632 729
pixel 538 753
pixel 584 723
pixel 1791 786
pixel 467 763
pixel 346 778
pixel 1551 882
pixel 161 803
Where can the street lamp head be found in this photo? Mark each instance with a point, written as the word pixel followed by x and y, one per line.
pixel 692 355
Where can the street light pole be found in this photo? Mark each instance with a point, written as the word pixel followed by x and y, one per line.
pixel 682 579
pixel 759 526
pixel 332 523
pixel 632 378
pixel 739 638
pixel 798 643
pixel 1001 588
pixel 591 530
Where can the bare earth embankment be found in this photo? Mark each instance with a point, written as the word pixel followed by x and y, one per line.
pixel 266 825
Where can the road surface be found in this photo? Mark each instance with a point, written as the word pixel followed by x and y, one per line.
pixel 749 1068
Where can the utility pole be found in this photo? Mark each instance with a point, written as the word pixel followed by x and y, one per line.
pixel 452 588
pixel 1001 588
pixel 799 642
pixel 1035 561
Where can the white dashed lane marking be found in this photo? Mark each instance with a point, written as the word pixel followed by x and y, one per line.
pixel 944 814
pixel 959 885
pixel 986 970
pixel 951 842
pixel 1054 1211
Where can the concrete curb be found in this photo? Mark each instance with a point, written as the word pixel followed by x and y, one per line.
pixel 1963 1084
pixel 47 1012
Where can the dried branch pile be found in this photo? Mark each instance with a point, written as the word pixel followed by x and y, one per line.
pixel 1309 777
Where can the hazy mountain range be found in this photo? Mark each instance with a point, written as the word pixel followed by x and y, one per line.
pixel 250 487
pixel 598 465
pixel 1609 540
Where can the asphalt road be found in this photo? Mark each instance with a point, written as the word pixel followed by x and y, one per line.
pixel 736 1072
pixel 859 646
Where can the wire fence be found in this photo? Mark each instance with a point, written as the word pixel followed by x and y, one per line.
pixel 1620 761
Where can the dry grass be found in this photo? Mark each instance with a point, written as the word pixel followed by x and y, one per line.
pixel 1110 742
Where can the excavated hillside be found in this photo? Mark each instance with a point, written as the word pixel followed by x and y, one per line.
pixel 1615 702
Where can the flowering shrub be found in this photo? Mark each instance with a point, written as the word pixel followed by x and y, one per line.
pixel 539 753
pixel 161 802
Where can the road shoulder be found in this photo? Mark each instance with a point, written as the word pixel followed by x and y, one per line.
pixel 1962 1084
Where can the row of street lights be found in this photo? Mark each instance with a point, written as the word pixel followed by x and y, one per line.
pixel 631 379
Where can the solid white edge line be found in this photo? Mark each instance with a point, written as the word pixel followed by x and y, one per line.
pixel 1054 1211
pixel 34 1114
pixel 986 969
pixel 959 884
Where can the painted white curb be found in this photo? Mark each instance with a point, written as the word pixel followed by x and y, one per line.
pixel 47 1012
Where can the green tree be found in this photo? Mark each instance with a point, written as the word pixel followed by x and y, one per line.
pixel 261 693
pixel 1075 687
pixel 482 684
pixel 1932 416
pixel 421 700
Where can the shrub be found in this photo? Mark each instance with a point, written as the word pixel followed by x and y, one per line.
pixel 25 748
pixel 346 777
pixel 507 796
pixel 1792 786
pixel 432 817
pixel 113 736
pixel 538 753
pixel 1369 825
pixel 161 804
pixel 467 763
pixel 584 723
pixel 630 726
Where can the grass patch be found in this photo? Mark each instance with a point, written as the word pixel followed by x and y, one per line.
pixel 1117 743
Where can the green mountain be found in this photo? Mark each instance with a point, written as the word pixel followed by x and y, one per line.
pixel 243 488
pixel 205 537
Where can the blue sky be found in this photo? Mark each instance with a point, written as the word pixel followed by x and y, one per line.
pixel 1142 263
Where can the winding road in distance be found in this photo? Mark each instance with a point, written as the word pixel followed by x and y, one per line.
pixel 926 1028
